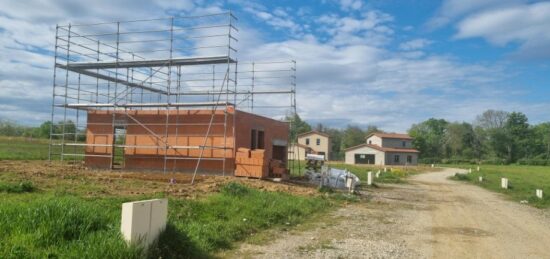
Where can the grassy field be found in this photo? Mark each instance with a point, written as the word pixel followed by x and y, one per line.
pixel 20 148
pixel 37 223
pixel 523 180
pixel 392 174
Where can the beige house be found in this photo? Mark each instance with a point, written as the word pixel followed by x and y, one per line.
pixel 312 142
pixel 383 149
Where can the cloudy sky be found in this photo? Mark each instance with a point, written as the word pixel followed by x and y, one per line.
pixel 388 63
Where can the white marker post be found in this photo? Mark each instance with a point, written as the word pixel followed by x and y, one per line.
pixel 539 193
pixel 385 169
pixel 481 179
pixel 470 170
pixel 369 178
pixel 378 174
pixel 504 183
pixel 478 168
pixel 433 165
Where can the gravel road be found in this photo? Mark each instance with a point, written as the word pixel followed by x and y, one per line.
pixel 432 217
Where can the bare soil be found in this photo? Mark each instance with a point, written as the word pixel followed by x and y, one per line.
pixel 76 178
pixel 431 217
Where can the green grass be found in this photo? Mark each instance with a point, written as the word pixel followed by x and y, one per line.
pixel 523 180
pixel 20 148
pixel 45 224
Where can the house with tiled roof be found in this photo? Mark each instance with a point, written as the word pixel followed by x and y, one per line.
pixel 313 142
pixel 383 149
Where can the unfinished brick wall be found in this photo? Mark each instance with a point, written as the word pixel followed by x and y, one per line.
pixel 190 127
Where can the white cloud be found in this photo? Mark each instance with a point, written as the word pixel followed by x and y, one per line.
pixel 371 28
pixel 347 5
pixel 452 10
pixel 524 24
pixel 415 44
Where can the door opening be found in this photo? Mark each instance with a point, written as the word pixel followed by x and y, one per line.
pixel 119 141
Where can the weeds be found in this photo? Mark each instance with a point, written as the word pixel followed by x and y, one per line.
pixel 17 188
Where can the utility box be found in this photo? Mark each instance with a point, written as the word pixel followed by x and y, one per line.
pixel 143 221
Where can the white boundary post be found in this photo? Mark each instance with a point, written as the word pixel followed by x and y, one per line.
pixel 539 193
pixel 504 183
pixel 369 178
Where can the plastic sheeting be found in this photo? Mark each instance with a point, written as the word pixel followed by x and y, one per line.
pixel 334 178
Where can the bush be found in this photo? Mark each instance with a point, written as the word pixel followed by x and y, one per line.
pixel 461 177
pixel 533 161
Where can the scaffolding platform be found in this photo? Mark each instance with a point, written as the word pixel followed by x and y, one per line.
pixel 109 76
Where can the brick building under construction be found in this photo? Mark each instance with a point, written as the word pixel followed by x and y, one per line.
pixel 168 94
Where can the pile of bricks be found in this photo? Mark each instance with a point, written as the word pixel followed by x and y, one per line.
pixel 251 163
pixel 278 169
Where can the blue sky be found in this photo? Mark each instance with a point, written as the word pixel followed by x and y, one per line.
pixel 387 63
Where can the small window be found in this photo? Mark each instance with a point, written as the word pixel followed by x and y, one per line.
pixel 404 143
pixel 318 141
pixel 396 158
pixel 261 140
pixel 307 141
pixel 370 142
pixel 253 139
pixel 409 159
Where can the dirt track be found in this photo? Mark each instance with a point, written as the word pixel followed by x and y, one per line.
pixel 432 217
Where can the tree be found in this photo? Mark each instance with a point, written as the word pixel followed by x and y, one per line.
pixel 297 126
pixel 541 136
pixel 519 135
pixel 352 136
pixel 372 129
pixel 458 139
pixel 428 137
pixel 492 119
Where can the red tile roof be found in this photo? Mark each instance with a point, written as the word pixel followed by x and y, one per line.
pixel 385 149
pixel 390 135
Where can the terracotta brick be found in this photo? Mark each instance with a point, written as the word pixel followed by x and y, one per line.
pixel 100 132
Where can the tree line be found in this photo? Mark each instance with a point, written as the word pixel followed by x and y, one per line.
pixel 13 129
pixel 495 137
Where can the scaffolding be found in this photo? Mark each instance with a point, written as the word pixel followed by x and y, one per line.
pixel 167 64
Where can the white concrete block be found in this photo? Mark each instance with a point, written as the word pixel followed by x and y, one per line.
pixel 143 221
pixel 481 179
pixel 504 183
pixel 470 170
pixel 478 168
pixel 539 193
pixel 433 165
pixel 369 178
pixel 385 169
pixel 378 174
pixel 159 217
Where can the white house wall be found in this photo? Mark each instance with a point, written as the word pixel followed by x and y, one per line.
pixel 378 155
pixel 324 143
pixel 375 140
